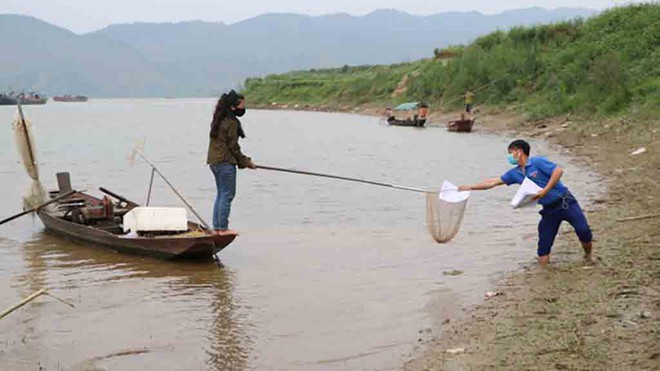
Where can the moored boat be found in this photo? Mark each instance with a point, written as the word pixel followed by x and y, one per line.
pixel 70 98
pixel 405 122
pixel 30 99
pixel 12 99
pixel 418 120
pixel 463 125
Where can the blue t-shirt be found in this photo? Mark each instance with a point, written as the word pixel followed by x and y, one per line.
pixel 538 170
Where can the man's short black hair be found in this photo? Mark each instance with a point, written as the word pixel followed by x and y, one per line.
pixel 520 144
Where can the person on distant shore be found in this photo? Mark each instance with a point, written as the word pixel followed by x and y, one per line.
pixel 557 201
pixel 389 115
pixel 469 99
pixel 422 115
pixel 224 155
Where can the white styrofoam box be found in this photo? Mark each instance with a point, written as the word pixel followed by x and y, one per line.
pixel 144 219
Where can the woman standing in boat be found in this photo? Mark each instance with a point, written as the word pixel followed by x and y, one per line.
pixel 225 155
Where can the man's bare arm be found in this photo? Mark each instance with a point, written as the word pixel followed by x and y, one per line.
pixel 486 184
pixel 554 179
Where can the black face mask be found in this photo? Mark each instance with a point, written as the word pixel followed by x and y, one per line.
pixel 238 112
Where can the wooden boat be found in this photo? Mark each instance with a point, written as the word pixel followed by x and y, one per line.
pixel 70 98
pixel 418 120
pixel 24 99
pixel 98 221
pixel 464 126
pixel 31 99
pixel 407 122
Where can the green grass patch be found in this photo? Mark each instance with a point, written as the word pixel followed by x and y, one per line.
pixel 607 65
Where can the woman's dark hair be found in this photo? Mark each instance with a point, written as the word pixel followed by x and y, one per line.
pixel 223 109
pixel 520 144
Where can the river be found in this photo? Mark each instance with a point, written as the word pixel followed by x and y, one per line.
pixel 325 274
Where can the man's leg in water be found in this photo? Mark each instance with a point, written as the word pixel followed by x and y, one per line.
pixel 548 228
pixel 575 216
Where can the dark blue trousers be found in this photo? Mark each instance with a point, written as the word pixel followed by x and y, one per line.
pixel 551 217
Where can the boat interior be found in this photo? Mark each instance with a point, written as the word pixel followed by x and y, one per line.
pixel 105 213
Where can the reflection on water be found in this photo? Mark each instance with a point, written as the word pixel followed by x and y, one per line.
pixel 324 274
pixel 117 297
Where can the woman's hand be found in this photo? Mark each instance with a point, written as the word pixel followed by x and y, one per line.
pixel 251 165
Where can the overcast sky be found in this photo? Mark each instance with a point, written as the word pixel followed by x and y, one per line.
pixel 89 15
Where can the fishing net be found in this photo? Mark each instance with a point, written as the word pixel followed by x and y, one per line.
pixel 444 212
pixel 25 145
pixel 138 146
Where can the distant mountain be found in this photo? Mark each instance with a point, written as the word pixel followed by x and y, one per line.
pixel 201 58
pixel 39 56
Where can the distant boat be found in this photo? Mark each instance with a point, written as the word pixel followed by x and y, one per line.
pixel 462 126
pixel 418 120
pixel 406 122
pixel 22 98
pixel 70 98
pixel 7 100
pixel 32 99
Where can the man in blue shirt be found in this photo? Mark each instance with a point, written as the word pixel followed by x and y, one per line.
pixel 557 201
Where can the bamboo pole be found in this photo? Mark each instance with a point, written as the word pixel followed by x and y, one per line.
pixel 23 302
pixel 30 298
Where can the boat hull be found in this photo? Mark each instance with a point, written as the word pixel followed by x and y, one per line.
pixel 460 126
pixel 163 247
pixel 6 100
pixel 411 123
pixel 33 101
pixel 70 99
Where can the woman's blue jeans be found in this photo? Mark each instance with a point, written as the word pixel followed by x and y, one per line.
pixel 225 182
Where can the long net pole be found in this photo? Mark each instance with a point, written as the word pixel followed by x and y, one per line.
pixel 301 172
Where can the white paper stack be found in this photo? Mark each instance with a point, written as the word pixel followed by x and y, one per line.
pixel 523 197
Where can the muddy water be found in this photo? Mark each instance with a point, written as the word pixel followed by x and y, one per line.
pixel 325 274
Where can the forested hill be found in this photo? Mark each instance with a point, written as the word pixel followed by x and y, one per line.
pixel 203 58
pixel 607 64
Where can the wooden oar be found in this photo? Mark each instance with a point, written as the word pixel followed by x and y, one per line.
pixel 38 207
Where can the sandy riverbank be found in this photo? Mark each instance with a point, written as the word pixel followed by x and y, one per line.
pixel 575 316
pixel 572 316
